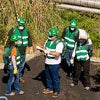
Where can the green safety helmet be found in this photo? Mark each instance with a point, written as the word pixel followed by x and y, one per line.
pixel 53 32
pixel 14 37
pixel 21 21
pixel 73 23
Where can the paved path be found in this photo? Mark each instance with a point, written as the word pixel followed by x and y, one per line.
pixel 37 53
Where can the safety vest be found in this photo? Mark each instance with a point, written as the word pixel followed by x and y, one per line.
pixel 23 36
pixel 82 53
pixel 51 47
pixel 69 38
pixel 18 57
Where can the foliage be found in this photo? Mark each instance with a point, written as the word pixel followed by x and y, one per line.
pixel 40 16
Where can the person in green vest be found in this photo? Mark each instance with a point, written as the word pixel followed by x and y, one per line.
pixel 69 37
pixel 52 48
pixel 14 62
pixel 81 60
pixel 53 51
pixel 25 40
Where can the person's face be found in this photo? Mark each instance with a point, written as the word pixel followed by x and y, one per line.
pixel 20 27
pixel 52 38
pixel 16 42
pixel 72 28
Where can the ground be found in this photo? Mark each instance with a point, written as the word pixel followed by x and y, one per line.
pixel 34 84
pixel 1 53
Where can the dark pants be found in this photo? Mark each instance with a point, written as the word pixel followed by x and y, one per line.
pixel 79 65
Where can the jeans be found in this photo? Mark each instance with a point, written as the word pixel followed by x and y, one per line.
pixel 68 56
pixel 21 66
pixel 52 77
pixel 70 68
pixel 13 79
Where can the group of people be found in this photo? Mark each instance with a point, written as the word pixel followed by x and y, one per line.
pixel 18 39
pixel 78 52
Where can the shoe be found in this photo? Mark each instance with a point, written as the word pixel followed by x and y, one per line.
pixel 55 95
pixel 87 88
pixel 21 92
pixel 22 80
pixel 10 94
pixel 47 91
pixel 72 84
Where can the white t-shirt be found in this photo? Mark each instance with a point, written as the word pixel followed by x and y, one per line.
pixel 57 59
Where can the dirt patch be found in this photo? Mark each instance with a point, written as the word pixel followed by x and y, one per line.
pixel 1 53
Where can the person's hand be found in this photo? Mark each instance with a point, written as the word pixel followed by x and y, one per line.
pixel 62 39
pixel 31 50
pixel 72 61
pixel 15 70
pixel 46 51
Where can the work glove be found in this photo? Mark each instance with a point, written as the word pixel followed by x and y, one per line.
pixel 46 51
pixel 15 70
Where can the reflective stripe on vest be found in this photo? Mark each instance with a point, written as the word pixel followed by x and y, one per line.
pixel 18 57
pixel 51 47
pixel 82 53
pixel 18 60
pixel 69 38
pixel 23 36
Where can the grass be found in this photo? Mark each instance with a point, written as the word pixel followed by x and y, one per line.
pixel 41 16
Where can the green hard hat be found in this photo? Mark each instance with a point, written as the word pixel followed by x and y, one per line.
pixel 21 21
pixel 73 23
pixel 53 32
pixel 14 37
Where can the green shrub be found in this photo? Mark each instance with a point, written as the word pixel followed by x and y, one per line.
pixel 41 16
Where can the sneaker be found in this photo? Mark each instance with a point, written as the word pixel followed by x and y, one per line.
pixel 21 92
pixel 87 88
pixel 10 94
pixel 55 95
pixel 22 80
pixel 72 84
pixel 47 91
